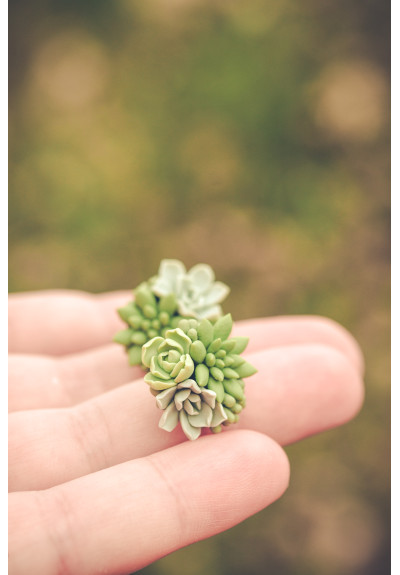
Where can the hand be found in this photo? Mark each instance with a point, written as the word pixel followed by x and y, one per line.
pixel 98 487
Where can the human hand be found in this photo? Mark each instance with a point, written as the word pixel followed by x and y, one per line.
pixel 98 487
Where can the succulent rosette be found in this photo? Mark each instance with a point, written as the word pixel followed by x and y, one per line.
pixel 196 373
pixel 197 293
pixel 147 316
pixel 160 303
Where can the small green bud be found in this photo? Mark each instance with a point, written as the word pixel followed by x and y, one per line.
pixel 223 327
pixel 215 345
pixel 146 323
pixel 217 387
pixel 210 359
pixel 217 373
pixel 228 361
pixel 164 317
pixel 139 338
pixel 155 324
pixel 149 311
pixel 184 325
pixel 202 374
pixel 135 355
pixel 220 363
pixel 230 373
pixel 192 333
pixel 232 418
pixel 144 296
pixel 246 369
pixel 229 400
pixel 216 429
pixel 220 354
pixel 237 408
pixel 124 336
pixel 205 332
pixel 233 387
pixel 127 311
pixel 135 321
pixel 168 304
pixel 197 351
pixel 152 333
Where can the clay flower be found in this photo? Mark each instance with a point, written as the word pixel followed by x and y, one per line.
pixel 197 293
pixel 190 405
pixel 168 359
pixel 199 356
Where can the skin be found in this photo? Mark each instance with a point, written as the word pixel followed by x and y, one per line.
pixel 97 487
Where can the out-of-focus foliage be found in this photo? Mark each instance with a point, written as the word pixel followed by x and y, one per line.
pixel 253 136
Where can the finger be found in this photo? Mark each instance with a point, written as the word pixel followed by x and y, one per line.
pixel 60 322
pixel 37 381
pixel 149 507
pixel 299 390
pixel 302 329
pixel 65 322
pixel 42 382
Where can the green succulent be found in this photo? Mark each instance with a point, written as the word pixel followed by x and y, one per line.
pixel 204 353
pixel 147 316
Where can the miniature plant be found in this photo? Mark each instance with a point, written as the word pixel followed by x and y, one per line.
pixel 197 293
pixel 196 373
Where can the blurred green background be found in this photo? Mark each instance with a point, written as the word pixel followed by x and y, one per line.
pixel 251 135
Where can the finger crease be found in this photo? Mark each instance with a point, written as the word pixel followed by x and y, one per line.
pixel 181 504
pixel 92 434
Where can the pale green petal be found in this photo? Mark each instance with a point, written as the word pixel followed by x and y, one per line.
pixel 150 349
pixel 191 432
pixel 219 415
pixel 187 370
pixel 180 337
pixel 202 275
pixel 203 418
pixel 189 408
pixel 180 397
pixel 164 398
pixel 157 370
pixel 177 367
pixel 223 327
pixel 169 419
pixel 209 397
pixel 189 384
pixel 158 384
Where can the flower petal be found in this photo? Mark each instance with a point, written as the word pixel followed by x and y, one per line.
pixel 209 397
pixel 169 419
pixel 219 415
pixel 150 349
pixel 180 397
pixel 187 370
pixel 202 276
pixel 180 337
pixel 203 418
pixel 158 384
pixel 163 399
pixel 157 370
pixel 190 384
pixel 208 312
pixel 191 432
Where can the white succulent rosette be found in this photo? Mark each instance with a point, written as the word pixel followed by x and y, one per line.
pixel 190 405
pixel 197 293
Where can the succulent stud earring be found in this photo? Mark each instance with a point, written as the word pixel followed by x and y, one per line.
pixel 177 332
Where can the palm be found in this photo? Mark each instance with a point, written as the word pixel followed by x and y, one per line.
pixel 98 487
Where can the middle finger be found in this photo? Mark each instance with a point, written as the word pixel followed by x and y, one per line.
pixel 298 390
